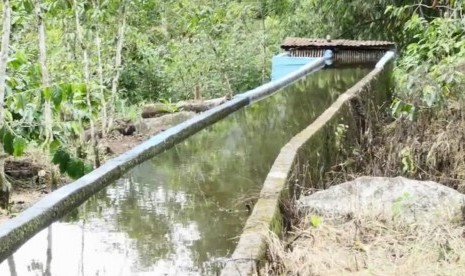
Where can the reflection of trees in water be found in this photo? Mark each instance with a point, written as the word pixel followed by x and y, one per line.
pixel 12 266
pixel 149 229
pixel 255 134
pixel 35 264
pixel 198 181
pixel 49 252
pixel 81 261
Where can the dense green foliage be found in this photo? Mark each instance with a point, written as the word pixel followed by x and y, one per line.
pixel 105 54
pixel 428 74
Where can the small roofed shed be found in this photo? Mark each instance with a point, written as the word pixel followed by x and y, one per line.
pixel 344 50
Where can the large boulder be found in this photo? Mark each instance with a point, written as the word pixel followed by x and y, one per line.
pixel 409 200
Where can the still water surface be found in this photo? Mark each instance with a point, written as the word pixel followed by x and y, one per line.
pixel 181 212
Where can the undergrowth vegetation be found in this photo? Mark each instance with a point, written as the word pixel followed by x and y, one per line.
pixel 422 135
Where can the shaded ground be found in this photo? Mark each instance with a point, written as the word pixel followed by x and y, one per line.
pixel 21 199
pixel 30 181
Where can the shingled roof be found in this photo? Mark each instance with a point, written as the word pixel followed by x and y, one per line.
pixel 308 43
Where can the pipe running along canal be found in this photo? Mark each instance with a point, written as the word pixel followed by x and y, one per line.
pixel 181 212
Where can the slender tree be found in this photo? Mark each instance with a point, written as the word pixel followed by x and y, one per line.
pixel 263 16
pixel 48 123
pixel 5 185
pixel 119 50
pixel 98 45
pixel 85 64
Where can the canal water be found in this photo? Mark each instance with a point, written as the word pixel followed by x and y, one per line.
pixel 181 212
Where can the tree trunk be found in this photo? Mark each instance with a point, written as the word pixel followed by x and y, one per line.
pixel 98 45
pixel 100 76
pixel 5 186
pixel 48 133
pixel 85 63
pixel 119 49
pixel 263 42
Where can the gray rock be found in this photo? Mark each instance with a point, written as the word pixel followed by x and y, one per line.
pixel 409 200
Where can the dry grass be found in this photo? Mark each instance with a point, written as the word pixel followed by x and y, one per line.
pixel 368 246
pixel 433 144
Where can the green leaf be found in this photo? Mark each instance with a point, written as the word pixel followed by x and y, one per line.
pixel 75 168
pixel 3 130
pixel 54 145
pixel 61 158
pixel 47 93
pixel 21 57
pixel 429 95
pixel 76 128
pixel 88 168
pixel 19 145
pixel 14 63
pixel 57 96
pixel 8 116
pixel 67 90
pixel 81 88
pixel 19 100
pixel 28 6
pixel 8 142
pixel 315 221
pixel 388 9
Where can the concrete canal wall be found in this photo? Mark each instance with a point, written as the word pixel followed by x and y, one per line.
pixel 304 159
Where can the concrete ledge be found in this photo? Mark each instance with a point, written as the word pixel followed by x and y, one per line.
pixel 266 214
pixel 18 230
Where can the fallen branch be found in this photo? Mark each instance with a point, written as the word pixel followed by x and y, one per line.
pixel 158 109
pixel 201 106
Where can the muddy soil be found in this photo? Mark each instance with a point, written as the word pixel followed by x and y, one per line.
pixel 30 182
pixel 120 140
pixel 21 199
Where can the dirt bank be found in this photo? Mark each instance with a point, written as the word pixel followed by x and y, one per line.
pixel 116 142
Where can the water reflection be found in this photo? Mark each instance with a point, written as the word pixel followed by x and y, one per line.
pixel 12 266
pixel 181 212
